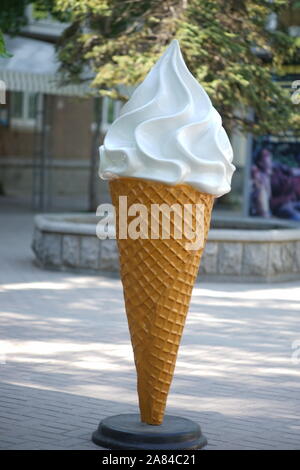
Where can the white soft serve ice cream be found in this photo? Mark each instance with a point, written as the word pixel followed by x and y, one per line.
pixel 169 132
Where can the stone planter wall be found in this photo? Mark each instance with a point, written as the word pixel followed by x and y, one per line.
pixel 230 255
pixel 251 261
pixel 64 248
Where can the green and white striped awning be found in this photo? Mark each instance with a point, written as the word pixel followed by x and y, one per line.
pixel 39 83
pixel 33 68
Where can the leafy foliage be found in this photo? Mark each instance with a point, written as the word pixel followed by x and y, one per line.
pixel 12 18
pixel 226 45
pixel 3 52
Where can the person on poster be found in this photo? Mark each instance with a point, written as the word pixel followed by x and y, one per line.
pixel 285 201
pixel 261 184
pixel 275 187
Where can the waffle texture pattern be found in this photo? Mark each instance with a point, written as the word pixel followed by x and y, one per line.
pixel 158 276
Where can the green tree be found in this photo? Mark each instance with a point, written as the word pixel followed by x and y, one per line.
pixel 226 45
pixel 3 51
pixel 13 17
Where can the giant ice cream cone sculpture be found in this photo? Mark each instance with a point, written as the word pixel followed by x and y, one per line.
pixel 167 147
pixel 158 276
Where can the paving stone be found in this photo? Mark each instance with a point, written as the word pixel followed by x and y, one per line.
pixel 255 260
pixel 282 258
pixel 51 249
pixel 209 258
pixel 68 361
pixel 297 257
pixel 109 258
pixel 71 250
pixel 230 258
pixel 89 252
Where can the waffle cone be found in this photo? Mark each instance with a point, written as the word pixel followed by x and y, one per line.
pixel 158 277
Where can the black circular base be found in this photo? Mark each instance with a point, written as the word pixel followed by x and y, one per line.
pixel 127 432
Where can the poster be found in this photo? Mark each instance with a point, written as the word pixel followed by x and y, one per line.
pixel 275 178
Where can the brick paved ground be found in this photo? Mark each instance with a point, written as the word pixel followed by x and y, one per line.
pixel 66 362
